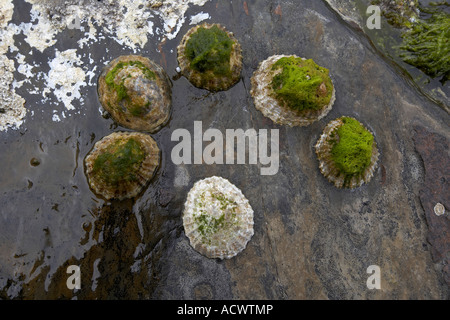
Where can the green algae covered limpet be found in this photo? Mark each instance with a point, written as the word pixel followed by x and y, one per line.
pixel 210 57
pixel 347 153
pixel 136 92
pixel 217 218
pixel 121 164
pixel 292 91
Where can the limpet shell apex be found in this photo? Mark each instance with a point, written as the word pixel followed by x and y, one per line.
pixel 144 103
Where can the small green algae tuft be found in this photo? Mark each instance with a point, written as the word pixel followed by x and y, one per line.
pixel 120 162
pixel 209 225
pixel 352 147
pixel 302 84
pixel 209 49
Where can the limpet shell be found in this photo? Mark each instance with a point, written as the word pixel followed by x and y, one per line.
pixel 327 166
pixel 265 101
pixel 123 188
pixel 217 218
pixel 153 97
pixel 208 80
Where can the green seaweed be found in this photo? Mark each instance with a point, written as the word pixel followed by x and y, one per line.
pixel 426 46
pixel 119 162
pixel 399 13
pixel 302 84
pixel 209 49
pixel 119 87
pixel 352 147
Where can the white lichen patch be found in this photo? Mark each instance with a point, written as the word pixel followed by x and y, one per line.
pixel 12 110
pixel 65 77
pixel 196 19
pixel 6 12
pixel 217 218
pixel 129 23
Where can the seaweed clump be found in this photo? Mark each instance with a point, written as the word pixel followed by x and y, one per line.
pixel 427 46
pixel 302 84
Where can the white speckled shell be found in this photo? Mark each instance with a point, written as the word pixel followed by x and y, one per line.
pixel 329 169
pixel 161 93
pixel 264 98
pixel 123 189
pixel 227 241
pixel 196 78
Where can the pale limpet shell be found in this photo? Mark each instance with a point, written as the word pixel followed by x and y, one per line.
pixel 265 101
pixel 123 189
pixel 327 166
pixel 199 79
pixel 217 218
pixel 157 93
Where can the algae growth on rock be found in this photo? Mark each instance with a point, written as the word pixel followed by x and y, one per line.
pixel 302 84
pixel 136 92
pixel 120 165
pixel 292 91
pixel 210 57
pixel 427 46
pixel 347 153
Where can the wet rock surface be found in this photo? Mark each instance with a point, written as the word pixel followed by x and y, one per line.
pixel 311 240
pixel 434 151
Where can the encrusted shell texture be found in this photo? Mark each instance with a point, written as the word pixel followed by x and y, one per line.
pixel 217 218
pixel 123 188
pixel 208 80
pixel 265 101
pixel 153 97
pixel 328 167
